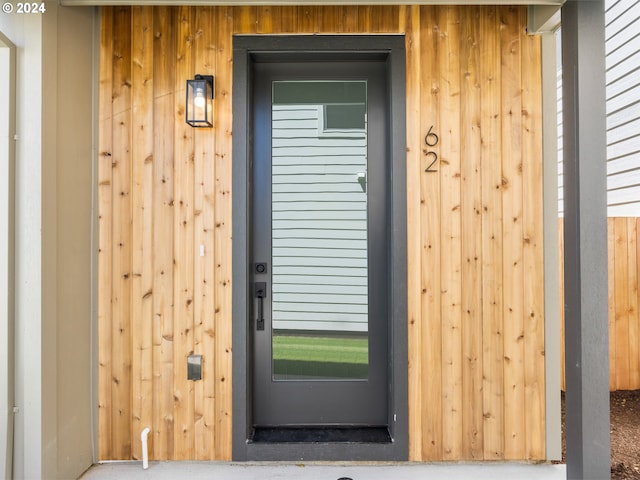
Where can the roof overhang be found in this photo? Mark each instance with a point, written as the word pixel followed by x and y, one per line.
pixel 543 18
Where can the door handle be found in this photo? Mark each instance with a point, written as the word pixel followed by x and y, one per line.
pixel 260 292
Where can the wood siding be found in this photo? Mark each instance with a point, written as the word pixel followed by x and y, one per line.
pixel 475 323
pixel 623 235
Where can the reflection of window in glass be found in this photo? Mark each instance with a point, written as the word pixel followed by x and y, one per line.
pixel 341 105
pixel 344 117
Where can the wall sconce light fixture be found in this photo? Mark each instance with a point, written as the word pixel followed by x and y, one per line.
pixel 199 111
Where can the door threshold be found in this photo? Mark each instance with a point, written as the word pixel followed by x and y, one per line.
pixel 321 434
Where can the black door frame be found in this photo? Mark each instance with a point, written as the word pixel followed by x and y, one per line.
pixel 343 401
pixel 262 48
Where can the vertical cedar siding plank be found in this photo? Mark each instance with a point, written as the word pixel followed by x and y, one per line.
pixel 245 19
pixel 611 248
pixel 374 19
pixel 204 285
pixel 163 214
pixel 289 20
pixel 183 243
pixel 200 143
pixel 622 302
pixel 471 206
pixel 364 18
pixel 105 229
pixel 156 207
pixel 142 198
pixel 391 16
pixel 349 14
pixel 512 234
pixel 414 295
pixel 561 313
pixel 308 18
pixel 533 261
pixel 122 248
pixel 634 329
pixel 634 371
pixel 329 21
pixel 451 232
pixel 222 235
pixel 430 340
pixel 268 20
pixel 338 15
pixel 492 282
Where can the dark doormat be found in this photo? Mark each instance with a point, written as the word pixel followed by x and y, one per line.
pixel 320 435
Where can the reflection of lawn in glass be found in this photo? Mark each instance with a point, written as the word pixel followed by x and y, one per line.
pixel 308 356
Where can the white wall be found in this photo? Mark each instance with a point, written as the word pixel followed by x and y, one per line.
pixel 53 235
pixel 26 33
pixel 7 165
pixel 622 19
pixel 622 47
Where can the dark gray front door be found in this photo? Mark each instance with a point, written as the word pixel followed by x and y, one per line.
pixel 320 244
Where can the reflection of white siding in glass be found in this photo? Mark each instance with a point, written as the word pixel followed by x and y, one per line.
pixel 319 225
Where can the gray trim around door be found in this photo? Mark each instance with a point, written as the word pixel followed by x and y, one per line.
pixel 249 49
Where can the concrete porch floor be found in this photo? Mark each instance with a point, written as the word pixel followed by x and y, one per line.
pixel 324 471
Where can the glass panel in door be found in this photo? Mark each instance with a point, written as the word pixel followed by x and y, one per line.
pixel 319 230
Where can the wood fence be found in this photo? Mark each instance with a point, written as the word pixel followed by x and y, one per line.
pixel 624 314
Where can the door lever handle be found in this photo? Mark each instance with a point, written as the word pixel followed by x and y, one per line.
pixel 260 292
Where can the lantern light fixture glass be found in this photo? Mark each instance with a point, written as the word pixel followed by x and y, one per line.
pixel 199 106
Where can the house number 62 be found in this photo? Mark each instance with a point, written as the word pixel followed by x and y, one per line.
pixel 431 140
